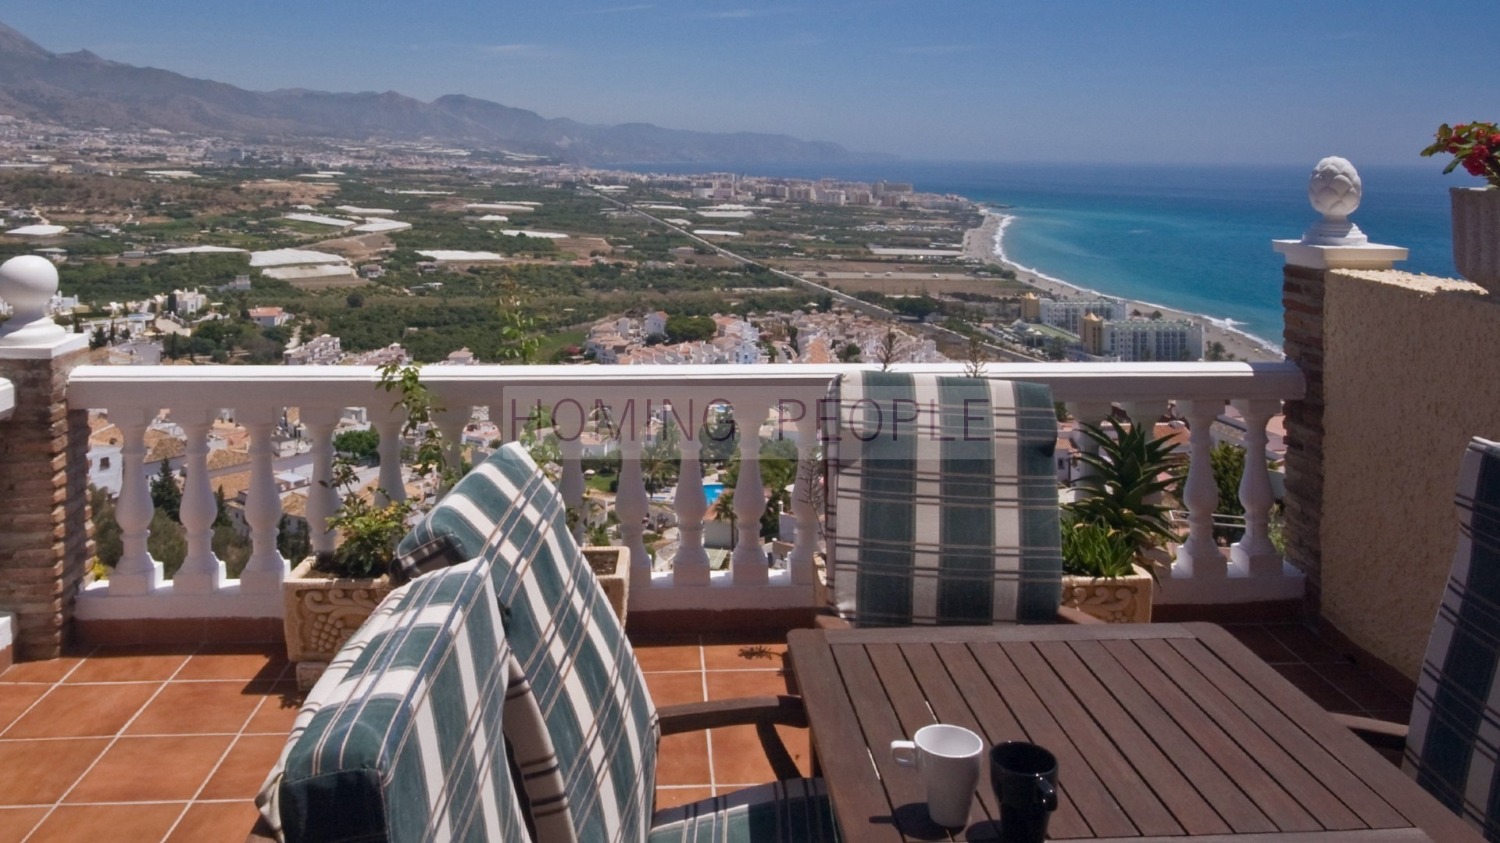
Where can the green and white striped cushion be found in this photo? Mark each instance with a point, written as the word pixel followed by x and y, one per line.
pixel 795 811
pixel 402 738
pixel 1454 740
pixel 941 500
pixel 456 529
pixel 582 726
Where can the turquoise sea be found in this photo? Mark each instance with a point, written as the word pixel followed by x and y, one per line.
pixel 1192 238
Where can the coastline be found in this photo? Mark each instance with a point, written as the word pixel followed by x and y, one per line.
pixel 986 243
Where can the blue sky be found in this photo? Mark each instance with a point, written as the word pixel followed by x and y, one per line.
pixel 1201 81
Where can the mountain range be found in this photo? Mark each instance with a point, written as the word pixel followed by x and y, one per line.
pixel 85 91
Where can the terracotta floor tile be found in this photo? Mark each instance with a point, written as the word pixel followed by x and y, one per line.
pixel 152 769
pixel 44 671
pixel 1305 644
pixel 216 822
pixel 673 688
pixel 1315 686
pixel 252 662
pixel 16 823
pixel 195 708
pixel 1262 643
pixel 244 769
pixel 747 656
pixel 683 760
pixel 75 711
pixel 739 760
pixel 669 654
pixel 40 772
pixel 671 797
pixel 15 699
pixel 275 714
pixel 1359 686
pixel 74 823
pixel 128 664
pixel 728 684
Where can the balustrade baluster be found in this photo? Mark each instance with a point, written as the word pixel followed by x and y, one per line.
pixel 748 562
pixel 322 497
pixel 1086 412
pixel 572 484
pixel 632 505
pixel 388 423
pixel 136 572
pixel 450 422
pixel 1254 552
pixel 266 569
pixel 690 567
pixel 804 507
pixel 1199 556
pixel 201 571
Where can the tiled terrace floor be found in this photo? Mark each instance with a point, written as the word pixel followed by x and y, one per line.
pixel 171 745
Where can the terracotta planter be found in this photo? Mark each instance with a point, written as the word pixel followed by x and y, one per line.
pixel 611 565
pixel 320 613
pixel 1111 599
pixel 1476 234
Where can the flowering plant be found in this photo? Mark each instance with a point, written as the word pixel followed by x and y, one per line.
pixel 1474 145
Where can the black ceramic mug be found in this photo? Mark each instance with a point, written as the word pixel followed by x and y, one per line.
pixel 1024 776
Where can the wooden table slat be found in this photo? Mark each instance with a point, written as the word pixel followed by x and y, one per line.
pixel 838 743
pixel 880 725
pixel 1372 810
pixel 1152 725
pixel 1245 775
pixel 1329 812
pixel 1136 747
pixel 1143 807
pixel 1369 766
pixel 993 719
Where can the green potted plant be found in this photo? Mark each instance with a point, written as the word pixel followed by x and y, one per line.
pixel 1100 576
pixel 1476 210
pixel 1115 533
pixel 327 596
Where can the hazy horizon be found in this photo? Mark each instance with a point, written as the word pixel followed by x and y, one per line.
pixel 1278 82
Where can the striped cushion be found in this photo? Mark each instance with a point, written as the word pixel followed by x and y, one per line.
pixel 401 739
pixel 1455 721
pixel 795 811
pixel 582 726
pixel 456 529
pixel 941 501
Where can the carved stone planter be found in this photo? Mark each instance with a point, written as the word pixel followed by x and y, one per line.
pixel 320 613
pixel 1476 235
pixel 612 566
pixel 1114 599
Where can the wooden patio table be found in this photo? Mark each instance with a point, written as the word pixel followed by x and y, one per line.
pixel 1162 732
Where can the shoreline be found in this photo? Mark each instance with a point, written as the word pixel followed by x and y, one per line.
pixel 986 243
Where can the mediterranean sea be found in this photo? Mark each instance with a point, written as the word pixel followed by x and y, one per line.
pixel 1191 238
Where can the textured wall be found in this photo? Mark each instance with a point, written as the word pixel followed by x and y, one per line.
pixel 1411 372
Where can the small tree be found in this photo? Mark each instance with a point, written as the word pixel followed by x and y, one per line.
pixel 166 496
pixel 889 352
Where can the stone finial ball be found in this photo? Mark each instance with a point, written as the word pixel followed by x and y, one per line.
pixel 1334 188
pixel 27 282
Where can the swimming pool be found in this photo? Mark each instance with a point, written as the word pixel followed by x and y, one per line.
pixel 711 491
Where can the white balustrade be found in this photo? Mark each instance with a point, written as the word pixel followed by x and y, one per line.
pixel 201 571
pixel 630 397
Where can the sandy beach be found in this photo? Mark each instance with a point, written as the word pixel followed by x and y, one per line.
pixel 980 243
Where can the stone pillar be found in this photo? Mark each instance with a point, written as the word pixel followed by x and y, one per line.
pixel 1332 243
pixel 45 541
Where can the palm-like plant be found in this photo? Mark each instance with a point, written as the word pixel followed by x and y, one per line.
pixel 1124 490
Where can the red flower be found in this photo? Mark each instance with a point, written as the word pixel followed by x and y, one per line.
pixel 1474 162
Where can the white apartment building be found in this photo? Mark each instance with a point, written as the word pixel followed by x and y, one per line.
pixel 322 350
pixel 1067 313
pixel 1139 340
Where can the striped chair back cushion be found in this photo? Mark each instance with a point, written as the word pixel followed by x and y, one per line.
pixel 401 738
pixel 941 500
pixel 1454 739
pixel 579 719
pixel 457 528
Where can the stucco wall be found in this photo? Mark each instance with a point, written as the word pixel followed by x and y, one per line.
pixel 1411 372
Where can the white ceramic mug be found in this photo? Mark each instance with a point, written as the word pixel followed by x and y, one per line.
pixel 948 759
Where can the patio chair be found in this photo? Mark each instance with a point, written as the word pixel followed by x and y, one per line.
pixel 580 723
pixel 1451 743
pixel 940 501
